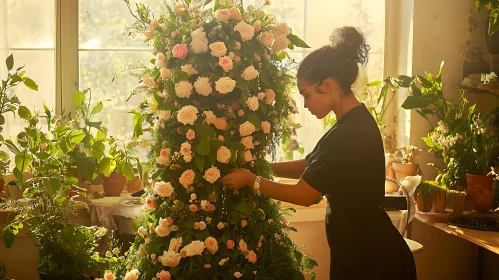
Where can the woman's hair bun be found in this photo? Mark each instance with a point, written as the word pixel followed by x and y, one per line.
pixel 351 44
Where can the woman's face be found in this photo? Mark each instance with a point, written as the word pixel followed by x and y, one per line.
pixel 318 99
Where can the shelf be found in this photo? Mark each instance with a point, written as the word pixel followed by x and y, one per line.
pixel 493 92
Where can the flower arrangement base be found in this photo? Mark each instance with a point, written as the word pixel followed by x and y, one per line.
pixel 114 184
pixel 439 201
pixel 403 170
pixel 423 202
pixel 479 188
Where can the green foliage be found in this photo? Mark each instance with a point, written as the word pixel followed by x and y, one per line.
pixel 492 7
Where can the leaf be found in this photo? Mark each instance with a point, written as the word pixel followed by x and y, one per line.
pixel 127 170
pixel 9 233
pixel 78 99
pixel 157 173
pixel 53 186
pixel 137 124
pixel 10 62
pixel 255 120
pixel 24 113
pixel 297 275
pixel 2 120
pixel 215 143
pixel 77 137
pixel 217 5
pixel 297 41
pixel 256 231
pixel 234 217
pixel 199 161
pixel 47 111
pixel 106 166
pixel 101 135
pixel 97 109
pixel 237 145
pixel 155 246
pixel 17 174
pixel 30 83
pixel 374 83
pixel 206 130
pixel 203 147
pixel 22 161
pixel 245 208
pixel 414 102
pixel 213 156
pixel 179 75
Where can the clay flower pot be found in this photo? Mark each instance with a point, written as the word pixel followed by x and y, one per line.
pixel 114 184
pixel 479 188
pixel 458 201
pixel 439 201
pixel 403 170
pixel 423 202
pixel 134 186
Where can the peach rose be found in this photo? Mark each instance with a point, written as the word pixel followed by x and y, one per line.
pixel 180 51
pixel 246 129
pixel 269 96
pixel 248 142
pixel 251 257
pixel 244 223
pixel 231 244
pixel 193 208
pixel 243 246
pixel 226 63
pixel 265 126
pixel 212 174
pixel 190 135
pixel 218 49
pixel 248 156
pixel 223 154
pixel 150 203
pixel 235 14
pixel 211 245
pixel 220 123
pixel 187 178
pixel 185 149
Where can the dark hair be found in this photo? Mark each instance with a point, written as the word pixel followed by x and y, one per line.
pixel 340 60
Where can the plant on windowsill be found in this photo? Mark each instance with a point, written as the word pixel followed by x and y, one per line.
pixel 488 81
pixel 405 162
pixel 423 195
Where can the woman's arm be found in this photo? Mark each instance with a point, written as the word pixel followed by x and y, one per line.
pixel 299 194
pixel 289 169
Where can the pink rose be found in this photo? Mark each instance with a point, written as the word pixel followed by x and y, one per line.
pixel 243 247
pixel 257 25
pixel 267 39
pixel 260 244
pixel 180 51
pixel 231 244
pixel 223 15
pixel 244 223
pixel 237 58
pixel 150 203
pixel 251 257
pixel 185 149
pixel 191 134
pixel 109 276
pixel 248 142
pixel 196 224
pixel 265 127
pixel 238 274
pixel 248 156
pixel 163 275
pixel 261 95
pixel 281 43
pixel 235 14
pixel 269 96
pixel 220 123
pixel 221 138
pixel 211 245
pixel 211 207
pixel 193 208
pixel 226 63
pixel 187 178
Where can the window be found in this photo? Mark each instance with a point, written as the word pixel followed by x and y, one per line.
pixel 27 31
pixel 91 58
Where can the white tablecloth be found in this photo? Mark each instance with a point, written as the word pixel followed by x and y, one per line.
pixel 103 209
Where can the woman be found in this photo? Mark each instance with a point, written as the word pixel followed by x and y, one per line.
pixel 347 166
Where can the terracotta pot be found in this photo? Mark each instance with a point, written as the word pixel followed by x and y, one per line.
pixel 458 201
pixel 134 186
pixel 423 202
pixel 474 68
pixel 404 169
pixel 479 188
pixel 114 184
pixel 439 201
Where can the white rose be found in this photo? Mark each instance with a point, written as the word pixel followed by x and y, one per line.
pixel 199 34
pixel 175 244
pixel 225 85
pixel 202 225
pixel 249 73
pixel 185 149
pixel 162 231
pixel 165 73
pixel 203 86
pixel 187 158
pixel 252 103
pixel 212 174
pixel 189 69
pixel 142 231
pixel 164 115
pixel 170 258
pixel 281 43
pixel 246 129
pixel 163 189
pixel 195 248
pixel 160 60
pixel 132 275
pixel 223 154
pixel 247 31
pixel 223 15
pixel 183 89
pixel 248 142
pixel 199 46
pixel 218 49
pixel 148 81
pixel 267 38
pixel 283 28
pixel 248 156
pixel 188 115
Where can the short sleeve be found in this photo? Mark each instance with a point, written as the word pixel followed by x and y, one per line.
pixel 329 166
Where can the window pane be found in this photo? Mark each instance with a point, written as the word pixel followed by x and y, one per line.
pixel 29 23
pixel 102 23
pixel 97 69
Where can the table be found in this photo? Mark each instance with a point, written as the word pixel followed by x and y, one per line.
pixel 103 209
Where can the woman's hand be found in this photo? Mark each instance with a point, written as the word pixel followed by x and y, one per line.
pixel 239 178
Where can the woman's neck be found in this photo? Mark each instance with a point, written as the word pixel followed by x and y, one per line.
pixel 346 103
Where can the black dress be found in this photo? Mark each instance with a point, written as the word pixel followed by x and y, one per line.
pixel 348 166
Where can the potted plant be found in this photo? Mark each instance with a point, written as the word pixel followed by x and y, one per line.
pixel 405 163
pixel 117 166
pixel 491 35
pixel 424 196
pixel 472 52
pixel 439 197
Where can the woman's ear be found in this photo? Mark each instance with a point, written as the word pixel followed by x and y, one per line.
pixel 329 85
